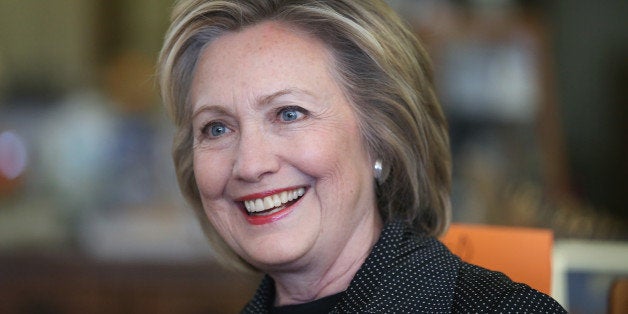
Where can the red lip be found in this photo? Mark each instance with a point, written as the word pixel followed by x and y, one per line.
pixel 265 193
pixel 262 220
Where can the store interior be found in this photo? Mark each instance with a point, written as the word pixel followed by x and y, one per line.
pixel 91 218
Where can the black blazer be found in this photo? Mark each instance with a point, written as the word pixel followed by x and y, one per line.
pixel 410 273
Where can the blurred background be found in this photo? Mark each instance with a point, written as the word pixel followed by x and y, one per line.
pixel 91 219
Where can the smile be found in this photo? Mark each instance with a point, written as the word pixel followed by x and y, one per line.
pixel 272 203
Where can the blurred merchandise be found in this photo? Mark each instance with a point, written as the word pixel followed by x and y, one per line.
pixel 150 232
pixel 13 155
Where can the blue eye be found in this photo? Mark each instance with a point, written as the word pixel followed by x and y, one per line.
pixel 290 114
pixel 215 129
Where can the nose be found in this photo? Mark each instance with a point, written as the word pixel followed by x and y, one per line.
pixel 255 156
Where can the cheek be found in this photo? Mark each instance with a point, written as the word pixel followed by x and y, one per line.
pixel 337 157
pixel 211 172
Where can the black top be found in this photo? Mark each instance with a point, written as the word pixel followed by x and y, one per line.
pixel 410 273
pixel 322 305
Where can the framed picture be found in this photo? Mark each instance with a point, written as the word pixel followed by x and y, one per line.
pixel 585 272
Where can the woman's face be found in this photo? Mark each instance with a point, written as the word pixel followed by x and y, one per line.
pixel 283 173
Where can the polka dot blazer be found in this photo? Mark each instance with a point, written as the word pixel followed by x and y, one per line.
pixel 409 273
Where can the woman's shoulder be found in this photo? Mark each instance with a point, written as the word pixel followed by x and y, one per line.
pixel 421 268
pixel 481 290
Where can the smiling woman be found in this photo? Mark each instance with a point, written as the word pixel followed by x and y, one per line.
pixel 311 145
pixel 249 77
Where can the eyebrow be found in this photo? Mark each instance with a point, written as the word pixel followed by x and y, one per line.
pixel 260 101
pixel 265 100
pixel 208 108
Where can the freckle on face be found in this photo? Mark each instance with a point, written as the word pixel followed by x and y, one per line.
pixel 322 152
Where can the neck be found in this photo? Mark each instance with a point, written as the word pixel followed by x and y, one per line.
pixel 322 278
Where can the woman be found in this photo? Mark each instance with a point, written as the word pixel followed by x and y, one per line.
pixel 311 145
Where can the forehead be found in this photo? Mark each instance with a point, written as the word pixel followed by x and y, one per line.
pixel 262 59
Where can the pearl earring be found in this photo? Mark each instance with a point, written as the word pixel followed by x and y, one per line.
pixel 377 170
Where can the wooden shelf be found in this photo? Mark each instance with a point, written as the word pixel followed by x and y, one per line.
pixel 71 284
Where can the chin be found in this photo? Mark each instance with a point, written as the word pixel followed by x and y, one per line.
pixel 288 244
pixel 274 253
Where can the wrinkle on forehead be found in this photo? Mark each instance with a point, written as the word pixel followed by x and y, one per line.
pixel 254 53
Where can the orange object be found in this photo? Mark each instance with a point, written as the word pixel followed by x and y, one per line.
pixel 523 254
pixel 618 303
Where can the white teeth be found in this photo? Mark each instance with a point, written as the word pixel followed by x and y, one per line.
pixel 259 205
pixel 284 197
pixel 268 202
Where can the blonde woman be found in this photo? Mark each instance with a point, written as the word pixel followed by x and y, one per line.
pixel 311 145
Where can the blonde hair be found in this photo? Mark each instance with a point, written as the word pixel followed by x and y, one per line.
pixel 381 66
